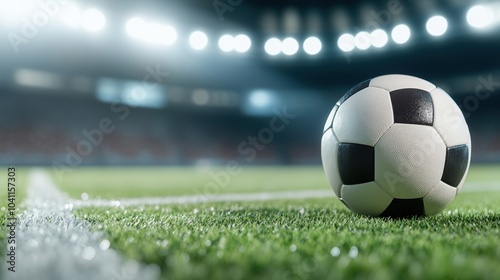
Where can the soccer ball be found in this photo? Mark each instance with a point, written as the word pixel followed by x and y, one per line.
pixel 396 146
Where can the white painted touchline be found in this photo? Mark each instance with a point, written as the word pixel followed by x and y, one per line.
pixel 190 199
pixel 53 244
pixel 263 196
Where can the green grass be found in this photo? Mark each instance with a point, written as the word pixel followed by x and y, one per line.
pixel 256 240
pixel 112 182
pixel 164 181
pixel 484 173
pixel 286 239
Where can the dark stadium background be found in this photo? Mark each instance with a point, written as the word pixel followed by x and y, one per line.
pixel 54 87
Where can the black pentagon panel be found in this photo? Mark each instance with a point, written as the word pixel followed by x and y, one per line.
pixel 352 91
pixel 404 208
pixel 356 163
pixel 412 106
pixel 455 164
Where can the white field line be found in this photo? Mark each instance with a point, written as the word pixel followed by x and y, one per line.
pixel 264 196
pixel 53 244
pixel 190 199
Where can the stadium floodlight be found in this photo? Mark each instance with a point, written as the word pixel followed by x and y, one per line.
pixel 93 20
pixel 13 11
pixel 436 25
pixel 71 15
pixel 136 27
pixel 346 42
pixel 379 38
pixel 362 40
pixel 242 43
pixel 312 45
pixel 226 43
pixel 401 33
pixel 167 34
pixel 272 46
pixel 156 33
pixel 480 16
pixel 198 40
pixel 289 46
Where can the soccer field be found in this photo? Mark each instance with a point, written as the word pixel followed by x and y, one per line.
pixel 241 140
pixel 269 236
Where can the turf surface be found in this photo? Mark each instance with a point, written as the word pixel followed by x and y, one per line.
pixel 112 182
pixel 307 239
pixel 290 239
pixel 285 239
pixel 167 181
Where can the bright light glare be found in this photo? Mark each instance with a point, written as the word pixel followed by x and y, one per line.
pixel 242 43
pixel 480 16
pixel 226 43
pixel 346 42
pixel 13 11
pixel 289 46
pixel 198 40
pixel 71 15
pixel 362 40
pixel 436 25
pixel 15 7
pixel 166 34
pixel 93 20
pixel 272 46
pixel 312 45
pixel 260 98
pixel 153 33
pixel 379 38
pixel 401 34
pixel 136 27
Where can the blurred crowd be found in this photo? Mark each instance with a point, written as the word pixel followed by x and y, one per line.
pixel 44 130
